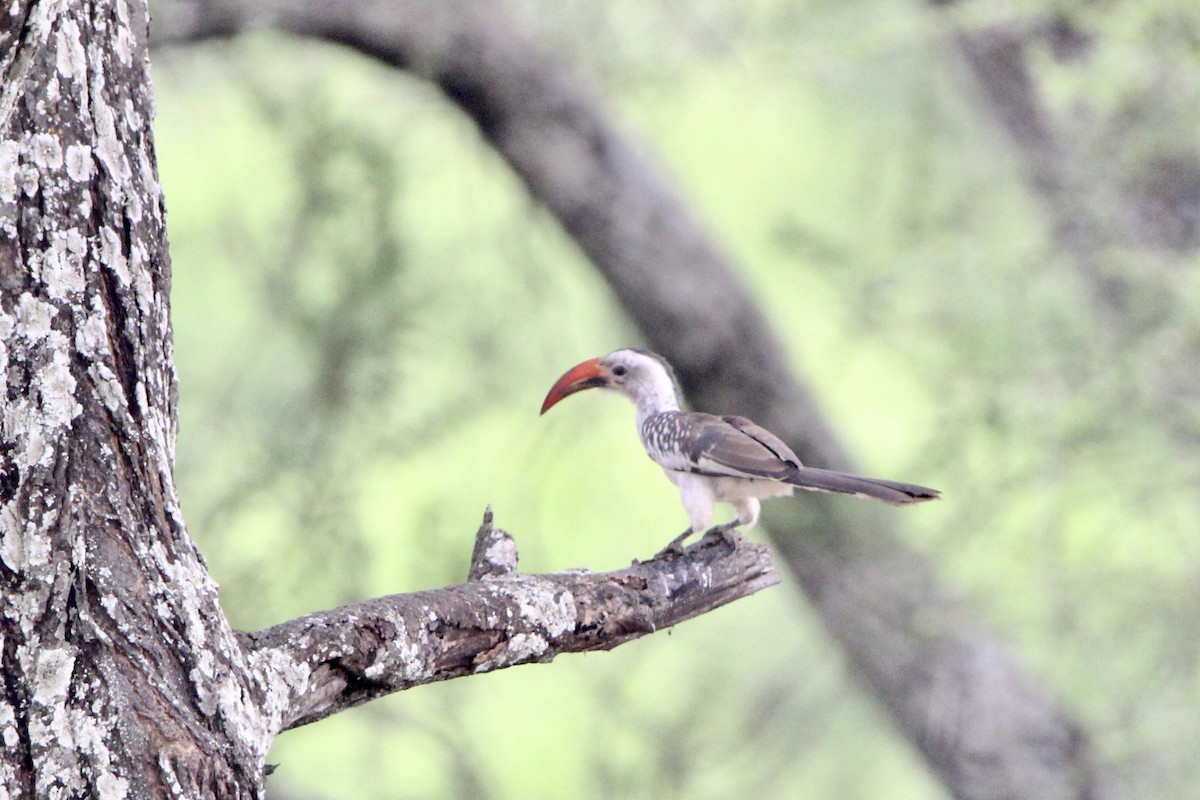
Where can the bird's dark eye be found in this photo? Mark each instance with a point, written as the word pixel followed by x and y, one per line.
pixel 620 369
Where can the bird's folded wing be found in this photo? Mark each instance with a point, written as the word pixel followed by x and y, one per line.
pixel 736 447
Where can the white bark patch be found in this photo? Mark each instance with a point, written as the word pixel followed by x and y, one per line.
pixel 139 394
pixel 281 678
pixel 91 338
pixel 110 389
pixel 62 265
pixel 70 59
pixel 143 287
pixel 545 605
pixel 204 670
pixel 243 719
pixel 52 90
pixel 238 714
pixel 133 119
pixel 57 386
pixel 125 43
pixel 33 317
pixel 10 152
pixel 46 151
pixel 524 647
pixel 8 724
pixel 112 255
pixel 402 655
pixel 12 540
pixel 89 731
pixel 37 546
pixel 108 144
pixel 111 787
pixel 29 180
pixel 149 179
pixel 52 675
pixel 79 162
pixel 134 208
pixel 501 551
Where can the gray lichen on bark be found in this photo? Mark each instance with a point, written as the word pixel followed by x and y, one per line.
pixel 101 586
pixel 337 659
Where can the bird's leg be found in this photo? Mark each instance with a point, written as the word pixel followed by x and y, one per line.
pixel 747 514
pixel 674 548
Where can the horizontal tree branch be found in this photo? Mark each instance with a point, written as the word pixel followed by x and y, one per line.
pixel 323 663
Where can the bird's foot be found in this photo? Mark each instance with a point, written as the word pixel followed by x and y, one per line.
pixel 674 548
pixel 726 532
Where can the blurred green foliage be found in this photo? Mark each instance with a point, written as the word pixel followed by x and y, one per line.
pixel 368 309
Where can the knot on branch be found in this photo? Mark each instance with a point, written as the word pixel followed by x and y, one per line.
pixel 495 552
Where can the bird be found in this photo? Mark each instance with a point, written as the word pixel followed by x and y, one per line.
pixel 710 458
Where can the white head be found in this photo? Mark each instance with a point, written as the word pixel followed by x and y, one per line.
pixel 644 377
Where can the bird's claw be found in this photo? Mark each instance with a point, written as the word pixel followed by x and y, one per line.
pixel 674 548
pixel 727 533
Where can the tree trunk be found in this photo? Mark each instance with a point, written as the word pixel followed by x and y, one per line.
pixel 120 675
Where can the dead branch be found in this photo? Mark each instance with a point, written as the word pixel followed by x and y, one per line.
pixel 334 660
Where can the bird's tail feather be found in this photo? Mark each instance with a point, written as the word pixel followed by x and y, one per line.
pixel 894 492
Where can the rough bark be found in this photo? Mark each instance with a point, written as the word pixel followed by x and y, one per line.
pixel 119 674
pixel 338 659
pixel 983 724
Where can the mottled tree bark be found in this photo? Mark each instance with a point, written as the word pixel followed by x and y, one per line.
pixel 119 674
pixel 984 725
pixel 339 659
